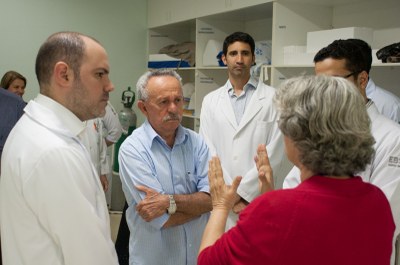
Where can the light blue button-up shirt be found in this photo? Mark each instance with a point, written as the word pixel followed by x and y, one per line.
pixel 386 102
pixel 239 103
pixel 145 159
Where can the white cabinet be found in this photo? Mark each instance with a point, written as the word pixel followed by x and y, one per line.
pixel 285 23
pixel 162 12
pixel 292 19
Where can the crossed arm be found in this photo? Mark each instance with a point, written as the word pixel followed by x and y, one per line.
pixel 188 206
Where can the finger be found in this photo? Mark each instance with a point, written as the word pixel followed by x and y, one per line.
pixel 261 158
pixel 262 153
pixel 210 172
pixel 212 165
pixel 144 216
pixel 262 178
pixel 266 181
pixel 236 182
pixel 218 175
pixel 261 147
pixel 144 189
pixel 138 208
pixel 237 208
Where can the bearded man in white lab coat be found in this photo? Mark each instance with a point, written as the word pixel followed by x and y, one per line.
pixel 344 58
pixel 239 116
pixel 52 205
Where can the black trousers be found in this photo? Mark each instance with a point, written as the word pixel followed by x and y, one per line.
pixel 122 241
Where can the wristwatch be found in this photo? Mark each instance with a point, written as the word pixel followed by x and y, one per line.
pixel 172 205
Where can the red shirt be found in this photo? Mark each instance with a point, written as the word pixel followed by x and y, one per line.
pixel 323 221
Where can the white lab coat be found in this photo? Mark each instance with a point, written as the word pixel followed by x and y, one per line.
pixel 236 144
pixel 94 141
pixel 386 102
pixel 52 205
pixel 384 170
pixel 112 128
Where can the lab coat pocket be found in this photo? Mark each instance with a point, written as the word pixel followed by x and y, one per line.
pixel 263 131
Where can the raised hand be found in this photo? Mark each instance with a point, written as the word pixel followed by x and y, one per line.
pixel 265 175
pixel 223 196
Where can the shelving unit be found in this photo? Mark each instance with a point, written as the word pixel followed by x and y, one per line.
pixel 293 19
pixel 286 23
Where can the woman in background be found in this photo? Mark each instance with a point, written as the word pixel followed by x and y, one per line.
pixel 332 217
pixel 14 82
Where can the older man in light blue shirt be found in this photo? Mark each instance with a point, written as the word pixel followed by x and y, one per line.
pixel 163 169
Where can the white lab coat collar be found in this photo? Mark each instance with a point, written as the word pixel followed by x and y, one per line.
pixel 373 112
pixel 54 116
pixel 255 102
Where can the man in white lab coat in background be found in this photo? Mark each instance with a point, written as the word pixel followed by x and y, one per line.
pixel 111 131
pixel 239 116
pixel 345 58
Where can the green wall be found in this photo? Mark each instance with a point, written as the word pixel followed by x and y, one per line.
pixel 119 25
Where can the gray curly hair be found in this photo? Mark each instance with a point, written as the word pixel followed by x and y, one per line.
pixel 326 118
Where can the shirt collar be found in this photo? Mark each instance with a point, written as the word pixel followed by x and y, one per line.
pixel 181 134
pixel 252 83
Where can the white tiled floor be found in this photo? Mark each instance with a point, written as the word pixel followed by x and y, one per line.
pixel 115 218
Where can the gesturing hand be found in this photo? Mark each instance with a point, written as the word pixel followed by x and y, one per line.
pixel 223 196
pixel 265 176
pixel 153 205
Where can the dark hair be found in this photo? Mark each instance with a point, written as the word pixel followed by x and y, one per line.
pixel 238 36
pixel 68 47
pixel 356 52
pixel 9 77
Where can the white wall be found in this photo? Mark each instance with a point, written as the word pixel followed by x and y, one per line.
pixel 119 25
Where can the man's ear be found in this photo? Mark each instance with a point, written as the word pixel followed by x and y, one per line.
pixel 142 106
pixel 63 75
pixel 223 57
pixel 363 79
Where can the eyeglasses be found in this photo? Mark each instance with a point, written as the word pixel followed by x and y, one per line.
pixel 348 75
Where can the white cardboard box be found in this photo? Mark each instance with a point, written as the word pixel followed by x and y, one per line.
pixel 303 58
pixel 297 55
pixel 294 49
pixel 319 39
pixel 211 51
